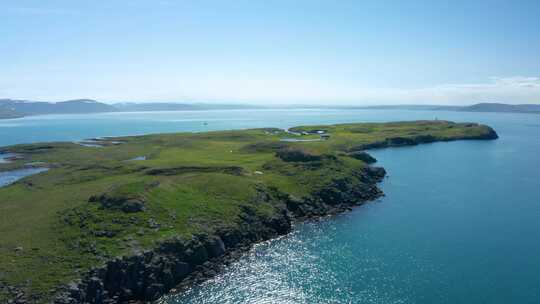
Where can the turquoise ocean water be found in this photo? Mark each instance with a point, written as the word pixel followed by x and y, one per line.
pixel 460 222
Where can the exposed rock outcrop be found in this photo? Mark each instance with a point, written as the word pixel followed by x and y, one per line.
pixel 421 139
pixel 363 156
pixel 147 275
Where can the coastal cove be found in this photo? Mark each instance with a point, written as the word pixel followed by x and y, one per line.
pixel 306 240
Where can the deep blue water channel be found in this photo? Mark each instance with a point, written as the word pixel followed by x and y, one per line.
pixel 460 222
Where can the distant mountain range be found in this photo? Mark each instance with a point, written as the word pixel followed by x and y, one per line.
pixel 479 107
pixel 501 107
pixel 10 108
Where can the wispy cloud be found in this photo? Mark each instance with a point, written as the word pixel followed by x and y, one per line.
pixel 513 90
pixel 526 82
pixel 517 89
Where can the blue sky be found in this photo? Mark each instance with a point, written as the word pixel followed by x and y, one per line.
pixel 319 52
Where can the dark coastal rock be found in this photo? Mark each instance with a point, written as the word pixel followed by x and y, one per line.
pixel 173 246
pixel 196 253
pixel 281 223
pixel 401 141
pixel 154 291
pixel 491 134
pixel 394 142
pixel 15 294
pixel 363 156
pixel 95 289
pixel 231 238
pixel 373 145
pixel 297 155
pixel 297 206
pixel 215 247
pixel 339 195
pixel 377 173
pixel 181 270
pixel 147 275
pixel 424 139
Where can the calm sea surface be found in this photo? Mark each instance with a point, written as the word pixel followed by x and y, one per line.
pixel 460 222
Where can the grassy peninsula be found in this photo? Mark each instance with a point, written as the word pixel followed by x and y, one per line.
pixel 149 209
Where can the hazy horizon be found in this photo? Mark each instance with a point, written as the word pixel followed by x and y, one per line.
pixel 272 53
pixel 268 105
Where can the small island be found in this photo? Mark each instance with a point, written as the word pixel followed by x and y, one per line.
pixel 130 218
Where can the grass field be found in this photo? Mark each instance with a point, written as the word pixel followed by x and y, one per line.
pixel 58 224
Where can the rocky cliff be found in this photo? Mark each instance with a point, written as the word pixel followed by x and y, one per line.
pixel 147 275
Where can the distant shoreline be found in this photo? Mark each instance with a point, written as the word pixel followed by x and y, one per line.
pixel 11 109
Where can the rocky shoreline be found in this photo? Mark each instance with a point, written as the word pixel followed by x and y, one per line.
pixel 178 263
pixel 420 139
pixel 154 227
